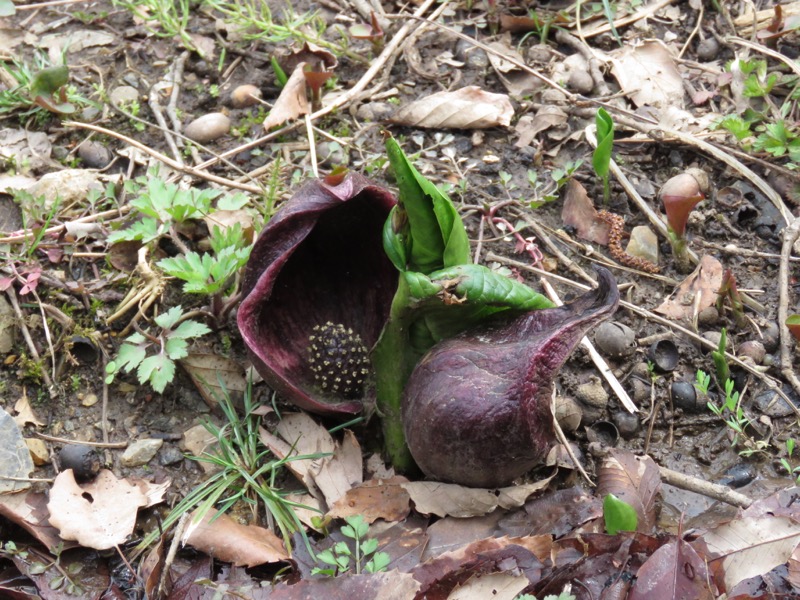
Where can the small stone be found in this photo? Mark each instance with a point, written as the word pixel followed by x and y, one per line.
pixel 643 244
pixel 208 127
pixel 83 460
pixel 245 95
pixel 89 400
pixel 39 452
pixel 94 155
pixel 707 49
pixel 684 395
pixel 140 452
pixel 169 455
pixel 771 336
pixel 709 316
pixel 752 349
pixel 124 94
pixel 640 390
pixel 375 112
pixel 580 81
pixel 773 405
pixel 331 154
pixel 627 424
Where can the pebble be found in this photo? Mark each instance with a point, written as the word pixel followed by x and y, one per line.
pixel 752 349
pixel 772 405
pixel 627 424
pixel 771 336
pixel 375 111
pixel 580 81
pixel 568 413
pixel 89 400
pixel 707 49
pixel 709 316
pixel 123 94
pixel 643 243
pixel 39 452
pixel 208 127
pixel 169 455
pixel 471 55
pixel 94 155
pixel 331 154
pixel 245 95
pixel 684 395
pixel 738 475
pixel 140 452
pixel 592 393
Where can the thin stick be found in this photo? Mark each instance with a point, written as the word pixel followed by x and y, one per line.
pixel 705 488
pixel 598 360
pixel 12 297
pixel 790 234
pixel 59 440
pixel 312 146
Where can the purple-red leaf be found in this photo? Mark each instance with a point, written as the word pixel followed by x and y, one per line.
pixel 632 479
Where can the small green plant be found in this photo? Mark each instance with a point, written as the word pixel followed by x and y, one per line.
pixel 732 413
pixel 793 471
pixel 618 515
pixel 702 382
pixel 720 362
pixel 361 557
pixel 779 140
pixel 153 356
pixel 601 159
pixel 163 18
pixel 248 473
pixel 729 291
pixel 548 192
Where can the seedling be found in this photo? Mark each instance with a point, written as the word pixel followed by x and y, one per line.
pixel 729 291
pixel 702 382
pixel 680 195
pixel 732 413
pixel 315 80
pixel 154 356
pixel 720 362
pixel 373 33
pixel 794 471
pixel 361 557
pixel 601 159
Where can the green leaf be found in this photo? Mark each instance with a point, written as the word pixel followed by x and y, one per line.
pixel 7 8
pixel 428 221
pixel 168 319
pixel 159 370
pixel 369 546
pixel 176 348
pixel 190 329
pixel 48 81
pixel 130 356
pixel 601 159
pixel 618 515
pixel 378 563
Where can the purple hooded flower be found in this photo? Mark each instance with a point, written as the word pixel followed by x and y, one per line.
pixel 317 292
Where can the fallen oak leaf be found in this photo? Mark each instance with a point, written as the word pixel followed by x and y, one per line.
pixel 219 536
pixel 100 514
pixel 695 293
pixel 467 108
pixel 292 102
pixel 374 499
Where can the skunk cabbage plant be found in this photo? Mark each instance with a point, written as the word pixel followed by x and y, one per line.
pixel 317 292
pixel 476 408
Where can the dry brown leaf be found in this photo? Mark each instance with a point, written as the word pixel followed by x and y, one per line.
pixel 299 468
pixel 517 82
pixel 441 499
pixel 497 586
pixel 648 75
pixel 546 117
pixel 225 219
pixel 467 108
pixel 29 511
pixel 579 212
pixel 675 570
pixel 214 375
pixel 228 541
pixel 25 412
pixel 98 515
pixel 633 479
pixel 696 292
pixel 749 546
pixel 339 473
pixel 374 499
pixel 292 102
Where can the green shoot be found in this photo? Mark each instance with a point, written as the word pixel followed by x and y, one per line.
pixel 720 362
pixel 793 471
pixel 601 159
pixel 702 382
pixel 361 552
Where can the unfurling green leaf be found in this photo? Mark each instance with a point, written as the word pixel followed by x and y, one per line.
pixel 425 220
pixel 618 515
